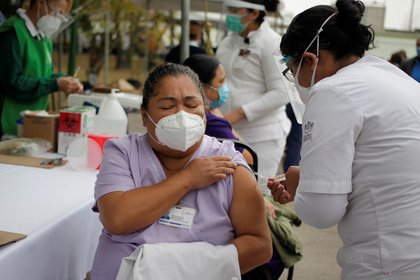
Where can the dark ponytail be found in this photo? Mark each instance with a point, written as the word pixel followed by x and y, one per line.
pixel 204 66
pixel 343 34
pixel 350 13
pixel 271 5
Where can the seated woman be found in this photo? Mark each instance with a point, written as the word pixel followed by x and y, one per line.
pixel 212 77
pixel 143 176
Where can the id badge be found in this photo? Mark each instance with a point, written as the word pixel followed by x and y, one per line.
pixel 179 216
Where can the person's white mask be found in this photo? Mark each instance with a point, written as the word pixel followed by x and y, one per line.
pixel 49 24
pixel 304 91
pixel 179 131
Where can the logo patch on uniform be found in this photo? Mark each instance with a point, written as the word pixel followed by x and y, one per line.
pixel 308 131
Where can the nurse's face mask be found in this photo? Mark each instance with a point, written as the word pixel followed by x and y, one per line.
pixel 234 23
pixel 299 97
pixel 234 18
pixel 179 131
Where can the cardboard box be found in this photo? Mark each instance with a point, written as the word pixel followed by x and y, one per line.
pixel 45 127
pixel 74 122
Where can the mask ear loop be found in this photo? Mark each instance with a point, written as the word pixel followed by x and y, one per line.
pixel 46 7
pixel 316 64
pixel 212 87
pixel 318 33
pixel 150 135
pixel 150 118
pixel 37 12
pixel 317 47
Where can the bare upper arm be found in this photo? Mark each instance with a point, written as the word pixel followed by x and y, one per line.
pixel 247 210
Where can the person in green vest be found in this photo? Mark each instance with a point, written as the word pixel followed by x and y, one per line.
pixel 26 68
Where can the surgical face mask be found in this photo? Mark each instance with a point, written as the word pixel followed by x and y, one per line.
pixel 223 92
pixel 49 24
pixel 234 24
pixel 299 95
pixel 304 91
pixel 179 131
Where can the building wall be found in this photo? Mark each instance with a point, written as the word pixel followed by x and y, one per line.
pixel 387 45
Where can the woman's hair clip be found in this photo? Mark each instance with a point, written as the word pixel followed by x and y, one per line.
pixel 286 59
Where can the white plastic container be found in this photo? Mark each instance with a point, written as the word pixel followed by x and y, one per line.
pixel 111 118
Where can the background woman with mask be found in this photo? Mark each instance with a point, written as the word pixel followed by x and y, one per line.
pixel 255 107
pixel 212 77
pixel 143 177
pixel 26 68
pixel 361 144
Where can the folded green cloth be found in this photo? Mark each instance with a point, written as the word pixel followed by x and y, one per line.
pixel 285 240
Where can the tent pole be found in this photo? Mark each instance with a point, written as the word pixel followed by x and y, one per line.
pixel 146 42
pixel 185 26
pixel 107 40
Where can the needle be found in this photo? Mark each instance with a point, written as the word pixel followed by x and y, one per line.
pixel 281 179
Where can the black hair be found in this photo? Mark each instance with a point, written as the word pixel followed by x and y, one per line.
pixel 193 36
pixel 204 66
pixel 270 6
pixel 398 57
pixel 343 34
pixel 162 71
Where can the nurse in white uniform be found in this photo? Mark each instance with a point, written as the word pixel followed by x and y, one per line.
pixel 360 165
pixel 255 107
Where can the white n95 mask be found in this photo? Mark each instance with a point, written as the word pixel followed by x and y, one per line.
pixel 49 24
pixel 179 131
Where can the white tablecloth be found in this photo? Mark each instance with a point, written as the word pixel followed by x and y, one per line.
pixel 53 207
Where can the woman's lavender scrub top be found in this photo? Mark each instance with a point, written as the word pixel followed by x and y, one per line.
pixel 128 163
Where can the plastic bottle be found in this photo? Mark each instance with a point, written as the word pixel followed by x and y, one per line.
pixel 111 118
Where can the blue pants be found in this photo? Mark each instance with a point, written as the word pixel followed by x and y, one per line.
pixel 293 142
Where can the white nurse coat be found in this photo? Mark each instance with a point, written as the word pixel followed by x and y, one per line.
pixel 361 138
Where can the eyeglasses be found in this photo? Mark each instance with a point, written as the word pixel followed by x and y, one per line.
pixel 212 87
pixel 288 74
pixel 281 61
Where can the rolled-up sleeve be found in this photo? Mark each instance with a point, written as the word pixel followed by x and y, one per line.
pixel 331 125
pixel 115 173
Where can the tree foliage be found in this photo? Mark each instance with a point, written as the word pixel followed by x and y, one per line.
pixel 131 25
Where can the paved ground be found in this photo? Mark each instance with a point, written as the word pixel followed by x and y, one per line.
pixel 319 250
